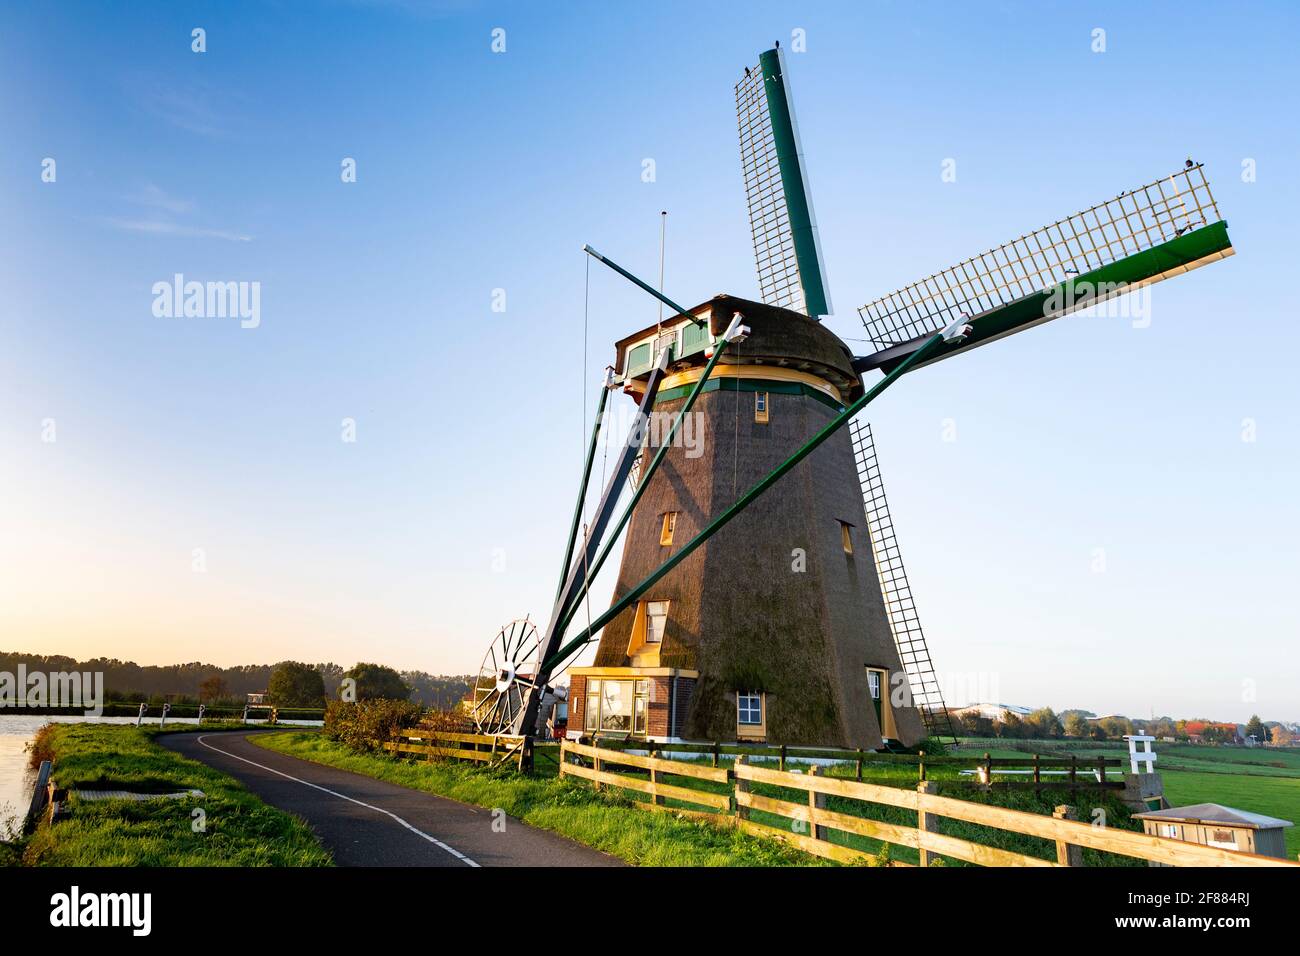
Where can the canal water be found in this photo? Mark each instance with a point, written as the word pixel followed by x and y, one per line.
pixel 17 780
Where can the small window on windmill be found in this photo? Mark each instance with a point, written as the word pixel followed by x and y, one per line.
pixel 846 536
pixel 667 342
pixel 669 526
pixel 656 619
pixel 760 406
pixel 749 709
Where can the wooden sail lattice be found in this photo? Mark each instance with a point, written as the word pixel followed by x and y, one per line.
pixel 1134 221
pixel 900 608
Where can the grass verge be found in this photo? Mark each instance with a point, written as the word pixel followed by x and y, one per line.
pixel 608 823
pixel 235 828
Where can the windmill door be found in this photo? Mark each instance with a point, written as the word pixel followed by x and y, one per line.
pixel 875 687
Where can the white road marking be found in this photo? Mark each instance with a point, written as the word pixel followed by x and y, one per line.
pixel 343 796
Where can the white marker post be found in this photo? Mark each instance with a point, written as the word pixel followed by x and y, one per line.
pixel 1141 754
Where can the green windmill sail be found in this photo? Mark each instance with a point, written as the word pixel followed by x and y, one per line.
pixel 791 273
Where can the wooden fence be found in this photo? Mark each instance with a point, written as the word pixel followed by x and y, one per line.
pixel 1039 773
pixel 573 763
pixel 812 822
pixel 481 748
pixel 1069 835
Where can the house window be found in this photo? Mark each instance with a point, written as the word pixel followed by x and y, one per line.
pixel 617 706
pixel 846 537
pixel 640 706
pixel 760 406
pixel 616 702
pixel 749 709
pixel 593 706
pixel 656 619
pixel 669 526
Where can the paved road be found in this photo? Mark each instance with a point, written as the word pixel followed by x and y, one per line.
pixel 368 822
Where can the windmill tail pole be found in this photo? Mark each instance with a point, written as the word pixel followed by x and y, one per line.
pixel 642 285
pixel 582 488
pixel 748 497
pixel 735 332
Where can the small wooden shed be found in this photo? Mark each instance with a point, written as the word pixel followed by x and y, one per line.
pixel 1211 824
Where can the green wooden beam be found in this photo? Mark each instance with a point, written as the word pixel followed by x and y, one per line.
pixel 794 183
pixel 582 489
pixel 644 482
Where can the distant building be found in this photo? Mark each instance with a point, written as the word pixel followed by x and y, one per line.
pixel 257 700
pixel 1211 824
pixel 1201 731
pixel 991 711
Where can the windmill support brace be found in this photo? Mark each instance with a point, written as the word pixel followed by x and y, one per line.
pixel 595 533
pixel 682 313
pixel 734 332
pixel 717 524
pixel 582 488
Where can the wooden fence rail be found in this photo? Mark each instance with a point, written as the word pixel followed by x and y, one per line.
pixel 571 755
pixel 1089 773
pixel 1067 834
pixel 480 748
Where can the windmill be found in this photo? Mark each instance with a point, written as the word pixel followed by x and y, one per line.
pixel 787 617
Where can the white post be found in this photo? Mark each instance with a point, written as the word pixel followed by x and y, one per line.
pixel 166 710
pixel 201 710
pixel 140 716
pixel 1140 752
pixel 245 713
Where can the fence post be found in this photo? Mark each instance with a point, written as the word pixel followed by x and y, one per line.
pixel 1037 777
pixel 742 786
pixel 783 757
pixel 925 822
pixel 717 752
pixel 1074 772
pixel 859 765
pixel 654 782
pixel 1067 854
pixel 920 768
pixel 988 768
pixel 595 763
pixel 816 801
pixel 526 755
pixel 1101 770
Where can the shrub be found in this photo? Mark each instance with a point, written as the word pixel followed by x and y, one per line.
pixel 360 725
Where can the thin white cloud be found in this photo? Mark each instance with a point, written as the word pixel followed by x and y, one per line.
pixel 163 228
pixel 151 195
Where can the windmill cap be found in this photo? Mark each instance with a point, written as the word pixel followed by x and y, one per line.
pixel 777 337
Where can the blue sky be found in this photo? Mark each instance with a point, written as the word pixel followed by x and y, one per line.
pixel 479 171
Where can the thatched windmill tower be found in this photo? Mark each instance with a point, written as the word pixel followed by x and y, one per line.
pixel 780 615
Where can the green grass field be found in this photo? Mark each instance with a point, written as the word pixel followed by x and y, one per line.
pixel 1258 779
pixel 238 829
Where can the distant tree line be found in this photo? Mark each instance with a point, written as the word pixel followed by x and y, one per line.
pixel 1046 724
pixel 207 683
